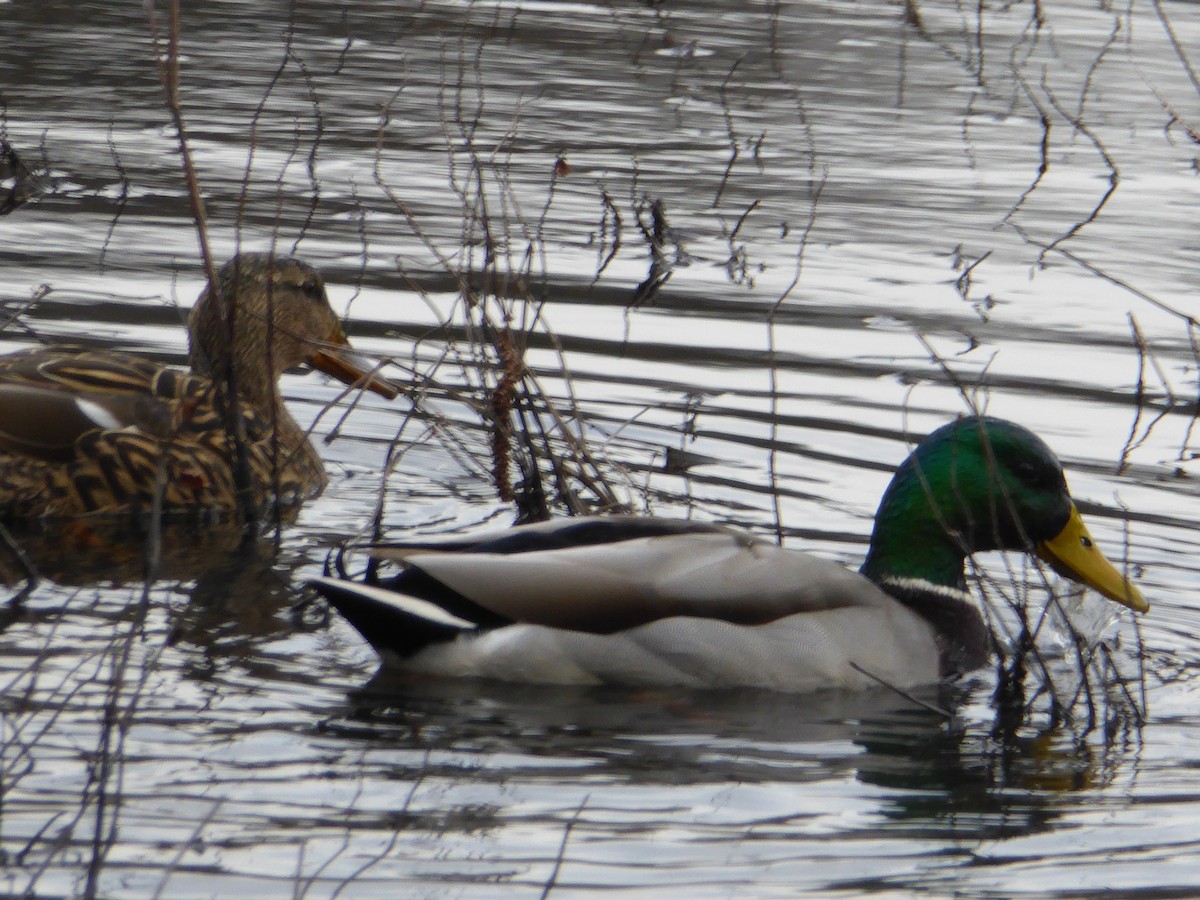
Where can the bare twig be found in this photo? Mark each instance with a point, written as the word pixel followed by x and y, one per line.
pixel 560 857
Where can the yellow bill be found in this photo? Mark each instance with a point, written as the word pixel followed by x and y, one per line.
pixel 1073 554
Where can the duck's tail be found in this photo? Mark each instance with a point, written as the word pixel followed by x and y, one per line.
pixel 392 623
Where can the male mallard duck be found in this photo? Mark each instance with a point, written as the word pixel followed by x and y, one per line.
pixel 657 602
pixel 94 431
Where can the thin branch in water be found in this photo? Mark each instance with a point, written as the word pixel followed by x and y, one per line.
pixel 168 70
pixel 772 355
pixel 610 213
pixel 964 282
pixel 1139 398
pixel 560 857
pixel 122 196
pixel 730 132
pixel 186 845
pixel 1177 45
pixel 511 369
pixel 916 701
pixel 1114 175
pixel 168 64
pixel 1043 156
pixel 654 232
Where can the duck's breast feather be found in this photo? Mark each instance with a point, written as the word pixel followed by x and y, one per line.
pixel 611 587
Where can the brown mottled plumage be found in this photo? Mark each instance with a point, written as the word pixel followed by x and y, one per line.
pixel 93 431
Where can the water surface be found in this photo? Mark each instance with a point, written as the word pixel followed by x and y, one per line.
pixel 866 222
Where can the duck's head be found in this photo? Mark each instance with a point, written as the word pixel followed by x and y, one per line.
pixel 268 314
pixel 984 484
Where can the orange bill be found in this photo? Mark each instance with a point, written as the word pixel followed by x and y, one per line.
pixel 348 367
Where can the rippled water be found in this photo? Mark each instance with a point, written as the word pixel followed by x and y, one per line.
pixel 863 216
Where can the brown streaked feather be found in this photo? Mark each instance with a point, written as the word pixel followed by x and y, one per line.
pixel 80 369
pixel 97 372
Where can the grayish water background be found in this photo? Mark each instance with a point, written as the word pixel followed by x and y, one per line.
pixel 869 157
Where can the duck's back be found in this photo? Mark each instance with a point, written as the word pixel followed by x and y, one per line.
pixel 87 431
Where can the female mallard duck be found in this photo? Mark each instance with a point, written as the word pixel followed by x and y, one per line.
pixel 656 602
pixel 94 431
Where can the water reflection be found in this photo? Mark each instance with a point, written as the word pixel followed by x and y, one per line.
pixel 225 591
pixel 949 776
pixel 96 551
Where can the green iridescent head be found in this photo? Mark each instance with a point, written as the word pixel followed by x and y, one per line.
pixel 982 484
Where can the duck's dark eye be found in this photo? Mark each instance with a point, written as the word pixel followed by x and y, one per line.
pixel 1035 475
pixel 1026 470
pixel 311 287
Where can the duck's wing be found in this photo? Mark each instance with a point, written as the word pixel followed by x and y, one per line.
pixel 50 398
pixel 600 588
pixel 47 423
pixel 610 587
